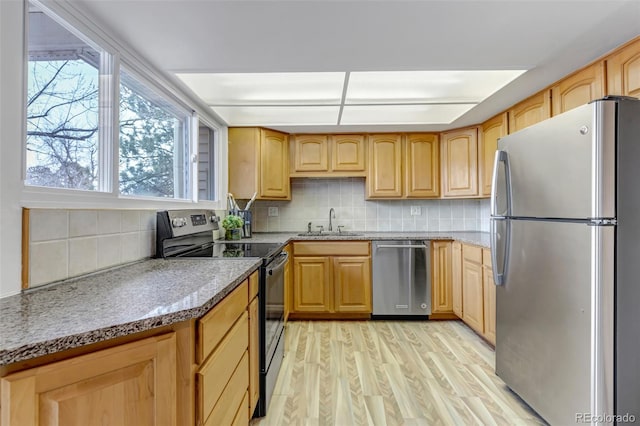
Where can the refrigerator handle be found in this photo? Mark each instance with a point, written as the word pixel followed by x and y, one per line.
pixel 505 189
pixel 500 248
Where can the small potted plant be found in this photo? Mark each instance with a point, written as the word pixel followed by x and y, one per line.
pixel 232 225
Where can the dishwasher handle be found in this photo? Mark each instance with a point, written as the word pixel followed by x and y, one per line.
pixel 412 246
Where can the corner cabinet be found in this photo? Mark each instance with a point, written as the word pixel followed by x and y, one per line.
pixel 623 71
pixel 128 385
pixel 259 162
pixel 331 279
pixel 578 89
pixel 492 130
pixel 472 291
pixel 489 295
pixel 460 163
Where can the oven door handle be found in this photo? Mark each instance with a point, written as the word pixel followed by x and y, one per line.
pixel 284 256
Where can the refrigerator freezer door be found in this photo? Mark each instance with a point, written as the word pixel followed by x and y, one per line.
pixel 564 167
pixel 544 318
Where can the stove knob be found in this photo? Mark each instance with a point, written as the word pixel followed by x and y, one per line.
pixel 179 222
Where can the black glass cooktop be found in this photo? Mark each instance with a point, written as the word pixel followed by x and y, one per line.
pixel 231 250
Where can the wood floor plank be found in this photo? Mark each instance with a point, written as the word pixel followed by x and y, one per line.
pixel 387 373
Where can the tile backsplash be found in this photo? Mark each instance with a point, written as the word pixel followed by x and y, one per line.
pixel 311 200
pixel 68 243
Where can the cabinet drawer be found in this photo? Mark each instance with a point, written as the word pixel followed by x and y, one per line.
pixel 214 325
pixel 331 248
pixel 254 285
pixel 230 402
pixel 216 372
pixel 486 257
pixel 472 253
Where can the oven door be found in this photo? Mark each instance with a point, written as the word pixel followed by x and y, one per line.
pixel 271 327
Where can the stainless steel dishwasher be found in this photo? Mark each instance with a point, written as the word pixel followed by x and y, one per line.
pixel 401 278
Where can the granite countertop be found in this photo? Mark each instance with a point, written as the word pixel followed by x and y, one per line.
pixel 114 303
pixel 469 237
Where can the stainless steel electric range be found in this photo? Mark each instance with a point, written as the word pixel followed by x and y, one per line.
pixel 189 234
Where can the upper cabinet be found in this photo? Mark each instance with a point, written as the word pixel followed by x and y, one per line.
pixel 460 163
pixel 623 71
pixel 492 130
pixel 328 155
pixel 422 161
pixel 259 162
pixel 579 88
pixel 530 111
pixel 384 177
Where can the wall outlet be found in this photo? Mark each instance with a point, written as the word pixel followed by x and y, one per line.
pixel 416 210
pixel 273 211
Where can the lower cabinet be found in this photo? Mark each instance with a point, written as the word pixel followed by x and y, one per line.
pixel 456 278
pixel 472 292
pixel 198 372
pixel 331 278
pixel 441 280
pixel 129 385
pixel 489 291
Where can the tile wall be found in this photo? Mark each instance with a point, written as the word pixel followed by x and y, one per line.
pixel 68 243
pixel 311 200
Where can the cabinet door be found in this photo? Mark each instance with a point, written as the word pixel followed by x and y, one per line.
pixel 352 284
pixel 384 178
pixel 311 153
pixel 623 71
pixel 456 278
pixel 254 356
pixel 489 297
pixel 274 165
pixel 129 385
pixel 530 111
pixel 348 153
pixel 460 163
pixel 472 294
pixel 492 130
pixel 422 162
pixel 243 155
pixel 288 285
pixel 578 89
pixel 312 284
pixel 441 301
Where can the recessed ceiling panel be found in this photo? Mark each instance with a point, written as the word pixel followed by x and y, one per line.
pixel 425 86
pixel 402 114
pixel 278 115
pixel 309 88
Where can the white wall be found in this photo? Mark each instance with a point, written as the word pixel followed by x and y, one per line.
pixel 13 194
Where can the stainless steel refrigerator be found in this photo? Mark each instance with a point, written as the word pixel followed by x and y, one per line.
pixel 565 228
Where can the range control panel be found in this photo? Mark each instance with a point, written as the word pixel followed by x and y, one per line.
pixel 186 222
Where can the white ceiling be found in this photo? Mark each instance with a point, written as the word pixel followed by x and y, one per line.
pixel 549 38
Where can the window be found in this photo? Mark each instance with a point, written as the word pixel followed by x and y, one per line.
pixel 63 124
pixel 154 135
pixel 206 163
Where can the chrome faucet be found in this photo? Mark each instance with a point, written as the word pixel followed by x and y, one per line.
pixel 332 214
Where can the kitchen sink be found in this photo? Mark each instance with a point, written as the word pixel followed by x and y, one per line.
pixel 331 234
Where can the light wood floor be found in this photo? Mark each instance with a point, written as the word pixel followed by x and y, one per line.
pixel 390 373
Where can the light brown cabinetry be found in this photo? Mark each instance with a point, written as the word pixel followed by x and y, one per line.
pixel 456 278
pixel 384 176
pixel 472 291
pixel 328 155
pixel 331 278
pixel 489 292
pixel 422 162
pixel 530 111
pixel 288 274
pixel 623 71
pixel 254 346
pixel 578 89
pixel 129 385
pixel 259 162
pixel 459 153
pixel 441 280
pixel 492 130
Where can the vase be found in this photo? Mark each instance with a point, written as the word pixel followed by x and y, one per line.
pixel 233 234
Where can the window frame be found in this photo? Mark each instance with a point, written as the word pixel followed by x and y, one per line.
pixel 108 193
